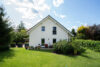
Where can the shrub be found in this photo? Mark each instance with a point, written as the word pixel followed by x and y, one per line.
pixel 64 47
pixel 78 49
pixel 81 36
pixel 91 44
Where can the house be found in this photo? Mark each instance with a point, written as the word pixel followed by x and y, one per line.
pixel 48 31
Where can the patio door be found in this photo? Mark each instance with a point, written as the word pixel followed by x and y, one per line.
pixel 42 41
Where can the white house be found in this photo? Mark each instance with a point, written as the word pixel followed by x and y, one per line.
pixel 47 31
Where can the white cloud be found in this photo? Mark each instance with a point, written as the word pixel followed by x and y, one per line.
pixel 62 16
pixel 30 8
pixel 27 13
pixel 59 15
pixel 8 3
pixel 57 3
pixel 29 24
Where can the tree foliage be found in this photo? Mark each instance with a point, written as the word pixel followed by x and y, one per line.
pixel 82 32
pixel 90 32
pixel 73 32
pixel 82 29
pixel 20 36
pixel 20 33
pixel 5 31
pixel 21 26
pixel 94 32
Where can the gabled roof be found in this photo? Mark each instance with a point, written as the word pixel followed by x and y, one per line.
pixel 66 30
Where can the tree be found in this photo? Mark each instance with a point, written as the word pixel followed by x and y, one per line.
pixel 21 26
pixel 83 32
pixel 94 32
pixel 73 32
pixel 20 36
pixel 5 31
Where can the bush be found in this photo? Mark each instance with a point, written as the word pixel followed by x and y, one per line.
pixel 91 44
pixel 81 36
pixel 64 47
pixel 77 47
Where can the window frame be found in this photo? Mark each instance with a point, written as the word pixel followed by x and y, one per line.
pixel 43 28
pixel 54 32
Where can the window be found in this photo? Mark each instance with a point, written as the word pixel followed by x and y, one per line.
pixel 42 41
pixel 54 30
pixel 54 40
pixel 43 28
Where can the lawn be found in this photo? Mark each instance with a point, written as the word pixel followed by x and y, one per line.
pixel 19 57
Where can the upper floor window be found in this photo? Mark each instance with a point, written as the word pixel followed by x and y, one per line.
pixel 54 31
pixel 43 28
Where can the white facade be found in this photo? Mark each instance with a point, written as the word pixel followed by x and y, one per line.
pixel 36 34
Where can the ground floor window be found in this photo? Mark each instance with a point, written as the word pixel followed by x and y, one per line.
pixel 54 40
pixel 42 41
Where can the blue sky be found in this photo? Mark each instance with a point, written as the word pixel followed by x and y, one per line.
pixel 70 13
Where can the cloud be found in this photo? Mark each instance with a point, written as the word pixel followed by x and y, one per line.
pixel 27 13
pixel 29 8
pixel 59 15
pixel 57 3
pixel 29 24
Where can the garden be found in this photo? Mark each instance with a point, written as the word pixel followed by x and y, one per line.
pixel 20 57
pixel 83 49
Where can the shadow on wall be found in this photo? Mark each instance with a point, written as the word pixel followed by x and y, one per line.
pixel 6 54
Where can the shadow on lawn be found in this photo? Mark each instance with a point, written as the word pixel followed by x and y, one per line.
pixel 6 54
pixel 73 56
pixel 86 56
pixel 82 55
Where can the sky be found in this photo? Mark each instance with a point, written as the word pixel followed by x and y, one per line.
pixel 70 13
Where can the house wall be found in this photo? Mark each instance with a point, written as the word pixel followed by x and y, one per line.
pixel 36 34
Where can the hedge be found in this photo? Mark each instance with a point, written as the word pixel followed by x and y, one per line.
pixel 91 44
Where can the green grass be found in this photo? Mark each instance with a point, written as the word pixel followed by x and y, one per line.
pixel 19 57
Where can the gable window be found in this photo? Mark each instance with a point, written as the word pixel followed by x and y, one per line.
pixel 54 40
pixel 54 31
pixel 43 28
pixel 42 41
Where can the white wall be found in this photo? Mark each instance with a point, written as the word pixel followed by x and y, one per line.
pixel 36 34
